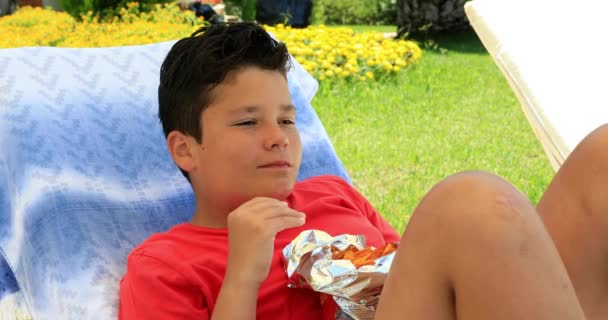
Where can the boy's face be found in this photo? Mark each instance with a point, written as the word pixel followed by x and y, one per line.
pixel 250 145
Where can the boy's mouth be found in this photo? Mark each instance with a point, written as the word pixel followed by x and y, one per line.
pixel 276 164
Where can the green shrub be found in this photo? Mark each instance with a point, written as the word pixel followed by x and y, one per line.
pixel 77 7
pixel 354 12
pixel 242 8
pixel 105 8
pixel 233 7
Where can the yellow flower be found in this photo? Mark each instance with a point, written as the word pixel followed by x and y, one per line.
pixel 325 52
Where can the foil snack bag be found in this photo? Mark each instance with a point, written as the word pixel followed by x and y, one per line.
pixel 349 275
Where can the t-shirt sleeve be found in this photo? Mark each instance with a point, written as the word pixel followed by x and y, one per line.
pixel 388 232
pixel 151 289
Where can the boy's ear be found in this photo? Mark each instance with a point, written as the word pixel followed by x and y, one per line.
pixel 179 146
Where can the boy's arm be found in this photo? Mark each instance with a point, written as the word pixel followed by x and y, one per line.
pixel 151 289
pixel 251 232
pixel 235 301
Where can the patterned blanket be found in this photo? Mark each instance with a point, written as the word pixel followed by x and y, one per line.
pixel 85 175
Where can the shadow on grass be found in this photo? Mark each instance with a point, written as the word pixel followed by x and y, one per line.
pixel 465 41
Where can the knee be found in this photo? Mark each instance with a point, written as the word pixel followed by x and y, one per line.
pixel 475 205
pixel 476 192
pixel 595 146
pixel 585 173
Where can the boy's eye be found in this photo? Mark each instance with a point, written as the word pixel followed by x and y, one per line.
pixel 287 122
pixel 246 123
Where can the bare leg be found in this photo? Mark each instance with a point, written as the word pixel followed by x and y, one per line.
pixel 475 248
pixel 575 211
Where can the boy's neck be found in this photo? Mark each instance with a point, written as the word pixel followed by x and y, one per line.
pixel 204 217
pixel 208 223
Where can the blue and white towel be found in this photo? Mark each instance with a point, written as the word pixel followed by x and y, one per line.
pixel 85 175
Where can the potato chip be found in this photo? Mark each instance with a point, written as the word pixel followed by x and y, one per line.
pixel 363 257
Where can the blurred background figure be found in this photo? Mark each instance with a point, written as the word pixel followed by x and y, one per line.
pixel 295 13
pixel 211 10
pixel 7 7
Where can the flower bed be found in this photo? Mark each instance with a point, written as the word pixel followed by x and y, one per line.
pixel 326 52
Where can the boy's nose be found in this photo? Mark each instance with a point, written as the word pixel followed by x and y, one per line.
pixel 275 137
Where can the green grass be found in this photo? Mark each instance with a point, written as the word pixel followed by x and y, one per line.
pixel 454 111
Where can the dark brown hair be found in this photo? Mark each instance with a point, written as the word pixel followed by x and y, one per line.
pixel 196 65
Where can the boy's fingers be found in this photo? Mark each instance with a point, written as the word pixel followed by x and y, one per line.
pixel 270 203
pixel 283 212
pixel 269 208
pixel 261 203
pixel 255 206
pixel 255 201
pixel 279 224
pixel 265 200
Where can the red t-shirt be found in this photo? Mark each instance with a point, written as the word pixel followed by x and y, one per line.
pixel 178 274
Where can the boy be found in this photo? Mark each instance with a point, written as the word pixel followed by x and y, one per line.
pixel 474 248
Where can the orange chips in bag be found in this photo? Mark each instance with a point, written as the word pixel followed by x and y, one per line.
pixel 363 257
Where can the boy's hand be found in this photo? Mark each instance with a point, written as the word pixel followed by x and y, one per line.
pixel 251 231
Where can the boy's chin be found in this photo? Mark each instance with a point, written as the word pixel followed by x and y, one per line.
pixel 279 194
pixel 276 192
